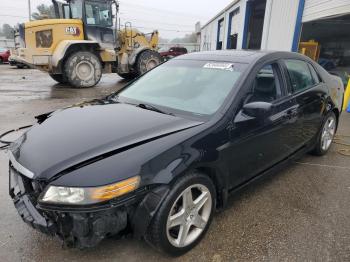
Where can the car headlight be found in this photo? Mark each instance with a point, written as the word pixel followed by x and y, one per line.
pixel 89 195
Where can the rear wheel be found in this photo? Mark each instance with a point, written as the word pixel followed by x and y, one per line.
pixel 184 216
pixel 83 69
pixel 326 136
pixel 59 78
pixel 146 61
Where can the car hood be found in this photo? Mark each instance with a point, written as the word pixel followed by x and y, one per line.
pixel 80 134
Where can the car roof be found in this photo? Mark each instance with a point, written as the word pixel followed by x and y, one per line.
pixel 237 56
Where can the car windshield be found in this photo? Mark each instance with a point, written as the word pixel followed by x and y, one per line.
pixel 195 87
pixel 2 50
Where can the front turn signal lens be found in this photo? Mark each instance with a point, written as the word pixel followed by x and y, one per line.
pixel 115 190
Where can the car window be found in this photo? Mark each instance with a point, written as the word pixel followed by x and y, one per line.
pixel 299 74
pixel 266 87
pixel 195 87
pixel 314 74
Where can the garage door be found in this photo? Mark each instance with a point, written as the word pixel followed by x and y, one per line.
pixel 316 9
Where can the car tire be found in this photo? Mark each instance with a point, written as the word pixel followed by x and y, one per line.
pixel 1 61
pixel 326 135
pixel 146 61
pixel 83 69
pixel 164 231
pixel 58 78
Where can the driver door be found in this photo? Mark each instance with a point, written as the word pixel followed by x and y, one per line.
pixel 258 143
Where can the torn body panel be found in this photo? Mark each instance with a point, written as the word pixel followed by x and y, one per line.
pixel 83 228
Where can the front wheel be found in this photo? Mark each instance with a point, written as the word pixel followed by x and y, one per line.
pixel 326 136
pixel 1 61
pixel 83 69
pixel 184 216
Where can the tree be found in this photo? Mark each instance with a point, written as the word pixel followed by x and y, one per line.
pixel 44 12
pixel 7 31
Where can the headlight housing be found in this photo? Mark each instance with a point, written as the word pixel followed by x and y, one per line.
pixel 88 195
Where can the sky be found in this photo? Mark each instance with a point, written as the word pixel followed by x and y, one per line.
pixel 171 18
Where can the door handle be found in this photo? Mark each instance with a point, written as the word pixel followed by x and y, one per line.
pixel 291 113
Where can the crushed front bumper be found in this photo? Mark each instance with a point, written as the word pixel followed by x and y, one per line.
pixel 79 229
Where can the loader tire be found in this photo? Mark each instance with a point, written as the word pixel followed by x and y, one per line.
pixel 83 69
pixel 59 78
pixel 146 61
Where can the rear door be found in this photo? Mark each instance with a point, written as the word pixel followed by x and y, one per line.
pixel 309 93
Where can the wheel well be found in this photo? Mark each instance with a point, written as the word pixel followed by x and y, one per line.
pixel 221 192
pixel 79 47
pixel 337 114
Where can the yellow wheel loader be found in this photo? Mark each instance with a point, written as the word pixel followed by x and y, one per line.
pixel 83 42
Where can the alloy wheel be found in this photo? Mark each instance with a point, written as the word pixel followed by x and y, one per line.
pixel 189 215
pixel 328 133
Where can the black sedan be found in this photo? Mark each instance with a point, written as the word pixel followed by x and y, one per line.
pixel 159 157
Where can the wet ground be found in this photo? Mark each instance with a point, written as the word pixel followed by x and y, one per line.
pixel 299 214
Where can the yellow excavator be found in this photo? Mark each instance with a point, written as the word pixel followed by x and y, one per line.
pixel 85 41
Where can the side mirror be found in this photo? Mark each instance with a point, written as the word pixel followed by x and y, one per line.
pixel 257 109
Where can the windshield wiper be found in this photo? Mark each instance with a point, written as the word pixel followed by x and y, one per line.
pixel 153 108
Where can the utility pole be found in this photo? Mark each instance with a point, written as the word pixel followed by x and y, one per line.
pixel 30 10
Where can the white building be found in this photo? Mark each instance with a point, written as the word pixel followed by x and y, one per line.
pixel 281 25
pixel 6 43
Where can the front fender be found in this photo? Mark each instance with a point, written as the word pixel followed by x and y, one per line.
pixel 63 47
pixel 147 209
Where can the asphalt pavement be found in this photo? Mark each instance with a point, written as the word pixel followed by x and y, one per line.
pixel 299 214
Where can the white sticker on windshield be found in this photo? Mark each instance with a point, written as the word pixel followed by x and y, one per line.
pixel 222 66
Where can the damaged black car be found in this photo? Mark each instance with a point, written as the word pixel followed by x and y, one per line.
pixel 159 157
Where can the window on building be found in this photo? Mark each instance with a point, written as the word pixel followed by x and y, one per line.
pixel 220 34
pixel 233 29
pixel 299 74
